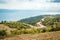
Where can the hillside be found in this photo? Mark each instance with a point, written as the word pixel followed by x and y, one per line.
pixel 51 21
pixel 40 36
pixel 7 28
pixel 16 25
pixel 34 20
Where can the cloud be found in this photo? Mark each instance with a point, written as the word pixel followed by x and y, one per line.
pixel 52 13
pixel 32 0
pixel 31 5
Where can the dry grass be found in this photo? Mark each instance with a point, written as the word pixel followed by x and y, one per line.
pixel 4 27
pixel 40 36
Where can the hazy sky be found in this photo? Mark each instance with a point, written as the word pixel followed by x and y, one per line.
pixel 18 9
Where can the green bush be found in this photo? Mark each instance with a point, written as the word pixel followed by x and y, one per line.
pixel 3 34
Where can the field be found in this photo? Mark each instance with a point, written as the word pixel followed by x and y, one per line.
pixel 40 36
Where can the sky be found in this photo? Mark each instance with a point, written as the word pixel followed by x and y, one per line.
pixel 13 10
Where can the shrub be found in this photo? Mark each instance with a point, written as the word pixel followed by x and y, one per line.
pixel 3 33
pixel 43 30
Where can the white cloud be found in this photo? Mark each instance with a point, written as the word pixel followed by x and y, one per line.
pixel 30 5
pixel 52 13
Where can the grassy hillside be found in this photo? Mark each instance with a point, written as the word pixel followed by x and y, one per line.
pixel 22 28
pixel 34 20
pixel 51 21
pixel 17 25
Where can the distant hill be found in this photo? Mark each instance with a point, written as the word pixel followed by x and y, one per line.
pixel 34 20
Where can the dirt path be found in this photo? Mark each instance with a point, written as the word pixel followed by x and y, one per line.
pixel 38 25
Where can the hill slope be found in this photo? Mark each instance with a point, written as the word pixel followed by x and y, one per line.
pixel 34 20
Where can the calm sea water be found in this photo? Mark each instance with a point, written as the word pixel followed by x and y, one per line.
pixel 14 15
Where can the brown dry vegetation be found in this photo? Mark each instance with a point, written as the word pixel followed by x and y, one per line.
pixel 4 27
pixel 40 36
